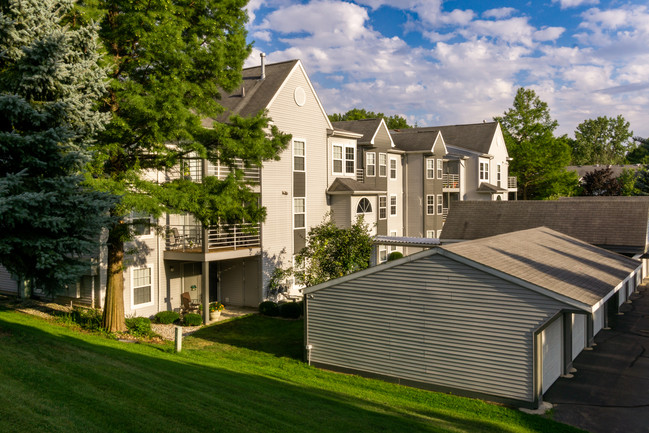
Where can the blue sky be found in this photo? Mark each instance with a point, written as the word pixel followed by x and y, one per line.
pixel 441 62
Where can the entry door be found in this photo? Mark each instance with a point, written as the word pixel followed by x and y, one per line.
pixel 551 339
pixel 192 280
pixel 251 291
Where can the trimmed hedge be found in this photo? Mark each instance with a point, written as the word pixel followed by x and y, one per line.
pixel 394 255
pixel 139 326
pixel 166 317
pixel 192 319
pixel 291 310
pixel 269 308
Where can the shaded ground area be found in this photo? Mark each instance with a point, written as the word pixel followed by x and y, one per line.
pixel 610 391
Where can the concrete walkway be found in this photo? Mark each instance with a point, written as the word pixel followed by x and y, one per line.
pixel 610 390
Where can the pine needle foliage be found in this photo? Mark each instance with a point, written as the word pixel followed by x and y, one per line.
pixel 50 82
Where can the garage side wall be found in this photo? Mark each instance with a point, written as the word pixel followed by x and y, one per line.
pixel 434 321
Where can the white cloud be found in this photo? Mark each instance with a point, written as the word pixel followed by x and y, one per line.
pixel 565 4
pixel 262 36
pixel 499 13
pixel 548 34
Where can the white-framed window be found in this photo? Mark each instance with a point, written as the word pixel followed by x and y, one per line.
pixel 350 164
pixel 393 205
pixel 393 168
pixel 430 204
pixel 141 287
pixel 370 164
pixel 383 162
pixel 499 175
pixel 141 224
pixel 430 168
pixel 383 254
pixel 484 170
pixel 393 233
pixel 364 206
pixel 440 204
pixel 440 168
pixel 299 152
pixel 299 212
pixel 383 207
pixel 430 233
pixel 337 156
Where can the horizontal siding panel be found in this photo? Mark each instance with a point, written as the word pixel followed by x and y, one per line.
pixel 435 321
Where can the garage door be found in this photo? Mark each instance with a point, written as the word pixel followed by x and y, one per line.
pixel 551 342
pixel 578 334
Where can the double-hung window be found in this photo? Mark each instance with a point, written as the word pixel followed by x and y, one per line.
pixel 430 204
pixel 370 164
pixel 440 168
pixel 430 168
pixel 350 166
pixel 383 207
pixel 498 175
pixel 298 155
pixel 141 287
pixel 299 213
pixel 383 161
pixel 440 204
pixel 393 168
pixel 393 205
pixel 484 171
pixel 337 159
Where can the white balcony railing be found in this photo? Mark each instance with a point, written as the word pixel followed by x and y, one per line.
pixel 512 182
pixel 451 181
pixel 192 169
pixel 189 238
pixel 360 175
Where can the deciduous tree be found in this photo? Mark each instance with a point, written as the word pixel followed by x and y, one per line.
pixel 393 122
pixel 538 157
pixel 169 62
pixel 605 140
pixel 50 82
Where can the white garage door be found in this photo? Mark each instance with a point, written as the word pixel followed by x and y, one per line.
pixel 578 334
pixel 598 319
pixel 551 342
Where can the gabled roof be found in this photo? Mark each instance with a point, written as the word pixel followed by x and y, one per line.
pixel 475 136
pixel 256 93
pixel 343 185
pixel 620 225
pixel 416 139
pixel 540 259
pixel 617 170
pixel 369 128
pixel 490 188
pixel 551 260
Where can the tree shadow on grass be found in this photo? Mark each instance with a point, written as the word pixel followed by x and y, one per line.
pixel 57 381
pixel 275 336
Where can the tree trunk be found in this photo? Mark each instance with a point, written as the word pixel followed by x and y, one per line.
pixel 113 319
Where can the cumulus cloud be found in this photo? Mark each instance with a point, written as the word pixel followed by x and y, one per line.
pixel 499 13
pixel 565 4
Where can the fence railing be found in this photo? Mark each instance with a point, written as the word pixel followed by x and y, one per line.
pixel 189 238
pixel 450 180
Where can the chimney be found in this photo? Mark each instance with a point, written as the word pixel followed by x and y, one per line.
pixel 263 65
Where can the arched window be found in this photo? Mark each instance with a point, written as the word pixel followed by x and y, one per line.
pixel 364 206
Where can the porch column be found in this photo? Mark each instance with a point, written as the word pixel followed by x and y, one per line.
pixel 590 338
pixel 205 284
pixel 567 344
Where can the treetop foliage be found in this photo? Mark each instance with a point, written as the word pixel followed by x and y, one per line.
pixel 605 140
pixel 393 122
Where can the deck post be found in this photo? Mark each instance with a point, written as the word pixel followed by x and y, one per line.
pixel 205 283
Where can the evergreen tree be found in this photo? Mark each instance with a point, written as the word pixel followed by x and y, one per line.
pixel 169 62
pixel 49 83
pixel 640 152
pixel 538 157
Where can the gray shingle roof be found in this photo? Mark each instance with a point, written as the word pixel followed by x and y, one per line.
pixel 258 93
pixel 617 224
pixel 551 260
pixel 490 188
pixel 345 185
pixel 367 127
pixel 415 139
pixel 474 136
pixel 617 170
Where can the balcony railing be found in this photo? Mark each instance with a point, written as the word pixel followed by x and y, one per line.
pixel 250 174
pixel 360 175
pixel 512 182
pixel 444 214
pixel 192 169
pixel 451 181
pixel 189 238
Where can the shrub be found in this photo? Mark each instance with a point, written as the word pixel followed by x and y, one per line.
pixel 166 317
pixel 139 326
pixel 394 255
pixel 268 308
pixel 192 319
pixel 290 310
pixel 86 318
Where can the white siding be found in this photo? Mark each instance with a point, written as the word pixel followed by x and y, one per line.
pixel 578 334
pixel 551 341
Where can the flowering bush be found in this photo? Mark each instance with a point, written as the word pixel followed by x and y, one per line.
pixel 216 306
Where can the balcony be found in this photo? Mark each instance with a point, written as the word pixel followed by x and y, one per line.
pixel 225 241
pixel 451 181
pixel 192 169
pixel 512 182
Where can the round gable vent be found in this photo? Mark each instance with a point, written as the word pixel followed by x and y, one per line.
pixel 300 96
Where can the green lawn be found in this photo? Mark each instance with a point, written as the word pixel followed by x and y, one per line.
pixel 238 376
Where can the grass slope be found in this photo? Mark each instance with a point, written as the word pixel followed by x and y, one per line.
pixel 238 376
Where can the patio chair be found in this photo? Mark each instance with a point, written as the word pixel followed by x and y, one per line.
pixel 188 305
pixel 173 240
